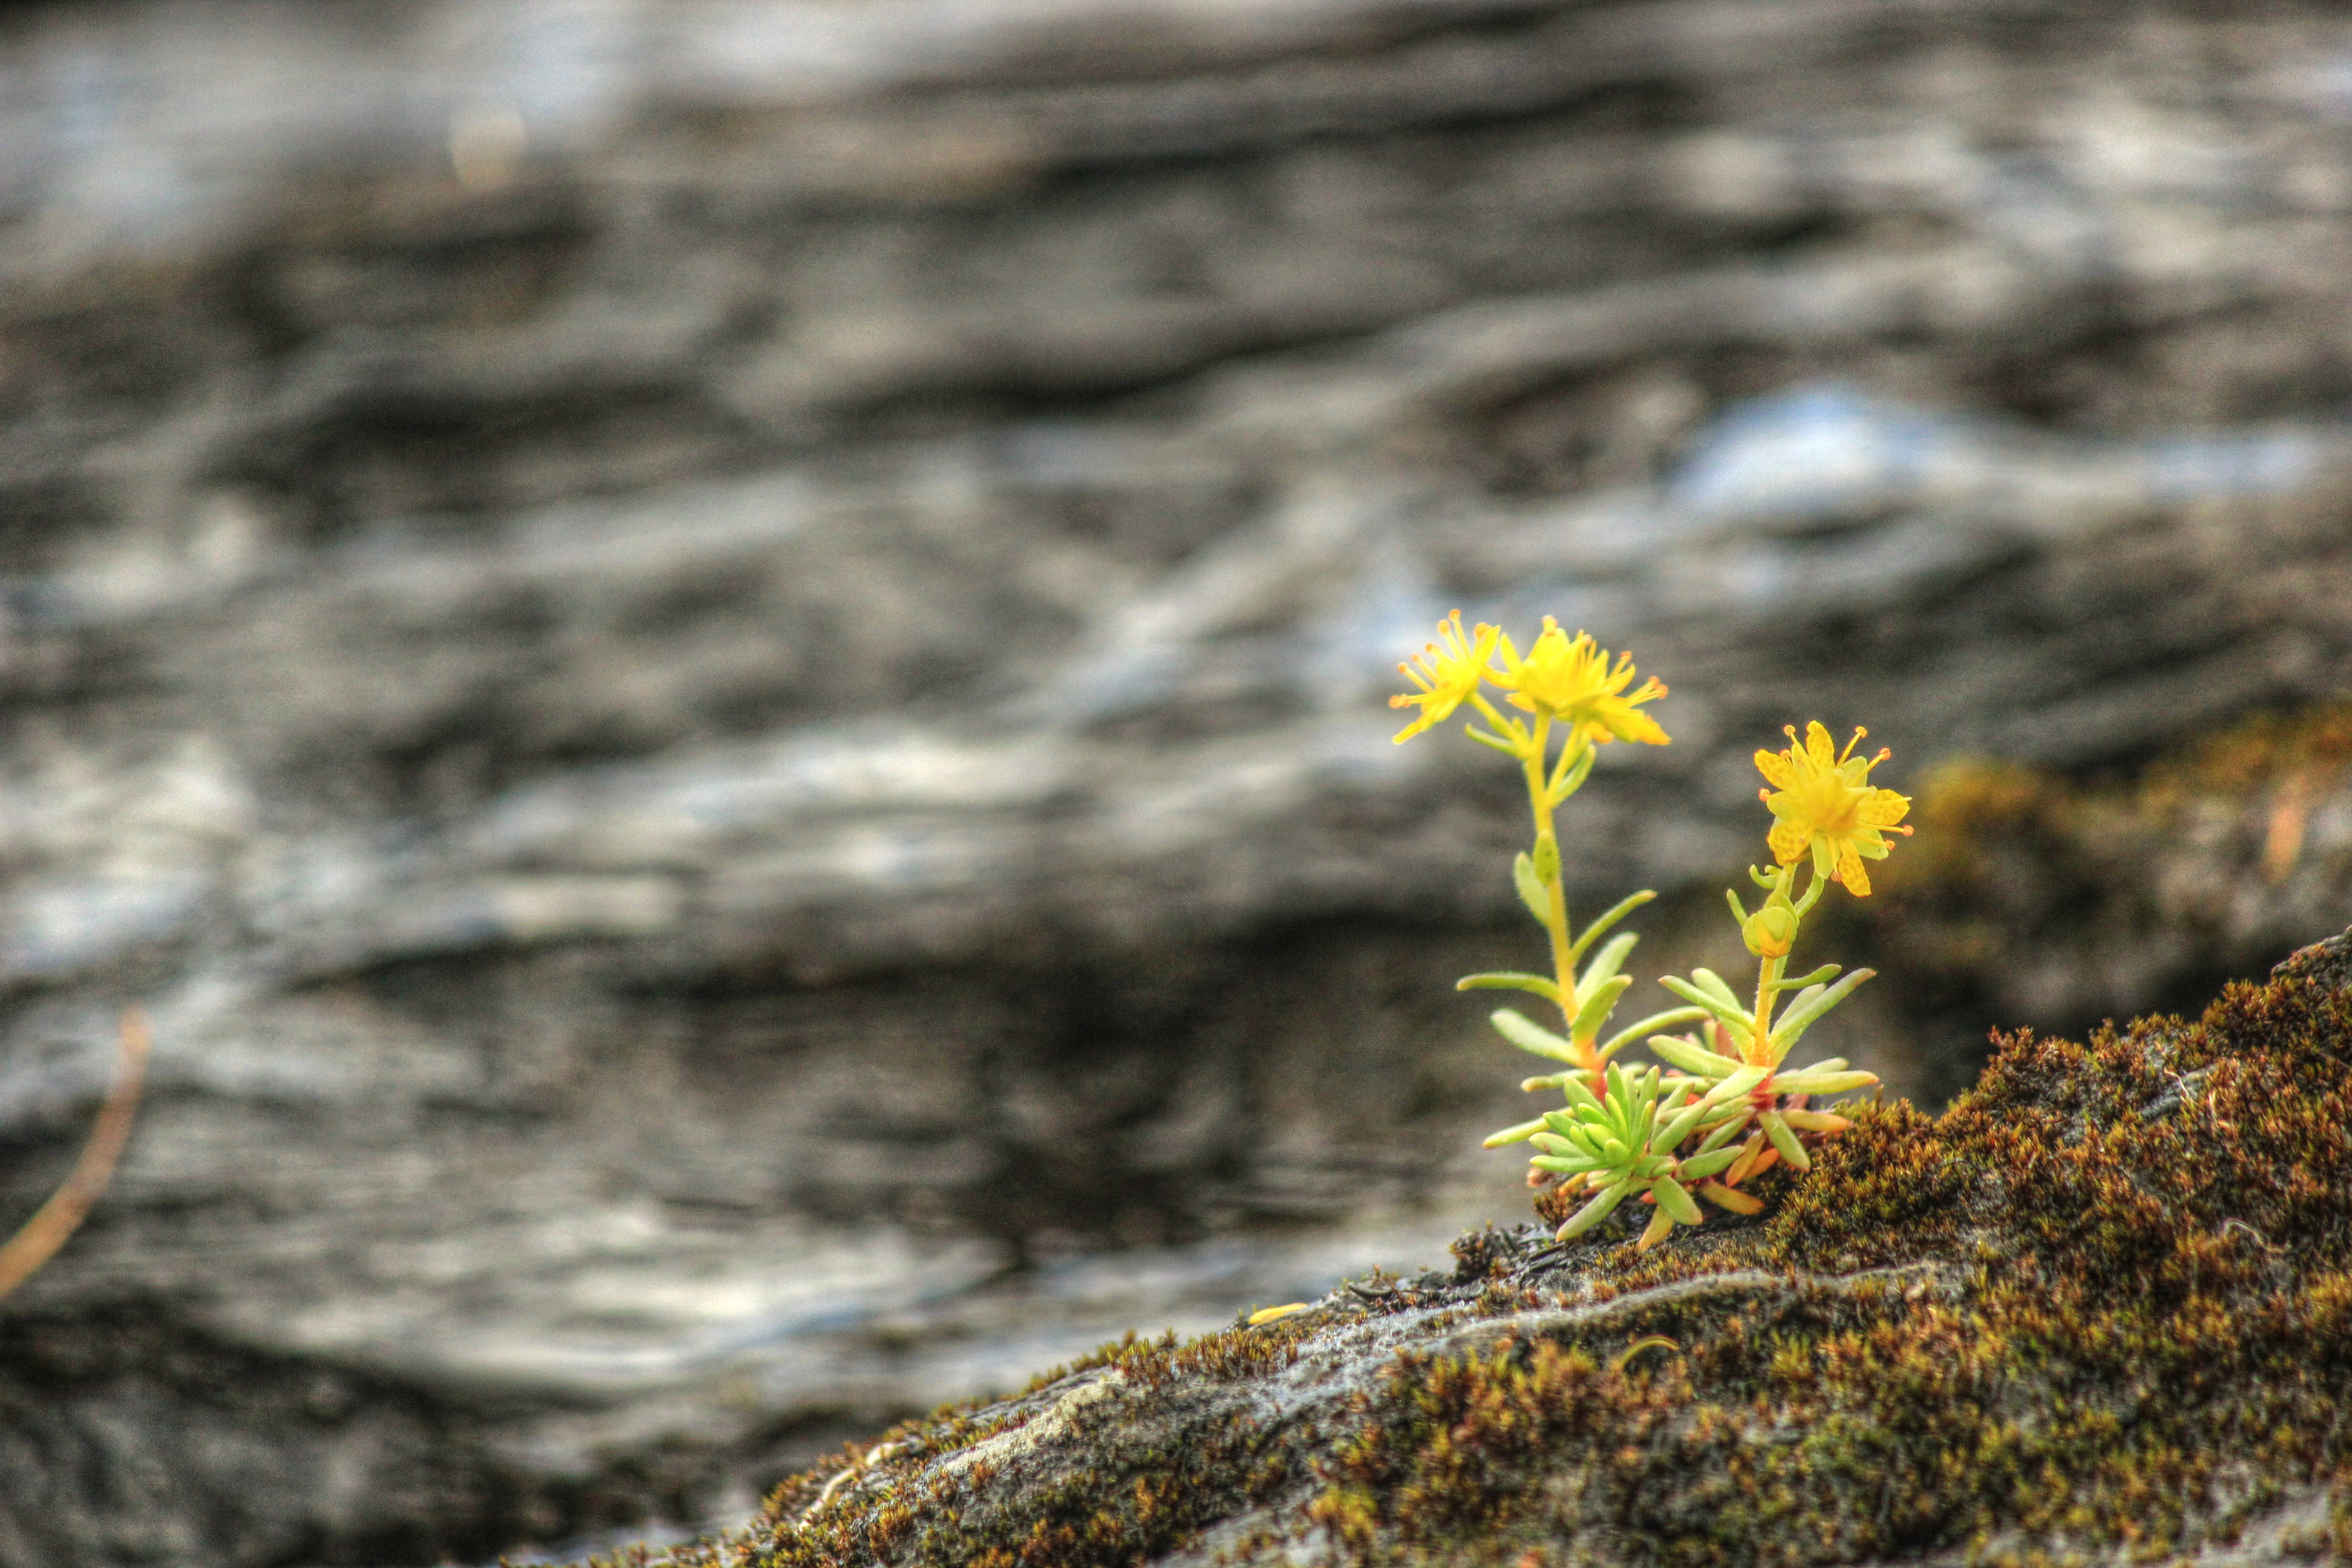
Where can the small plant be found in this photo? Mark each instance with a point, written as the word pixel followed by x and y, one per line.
pixel 1828 819
pixel 1666 1138
pixel 1575 700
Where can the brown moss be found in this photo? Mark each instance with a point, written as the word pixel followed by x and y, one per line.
pixel 2101 1307
pixel 2125 1325
pixel 2258 753
pixel 2027 895
pixel 1963 804
pixel 2247 792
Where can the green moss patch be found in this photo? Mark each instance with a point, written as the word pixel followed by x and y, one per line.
pixel 2101 1311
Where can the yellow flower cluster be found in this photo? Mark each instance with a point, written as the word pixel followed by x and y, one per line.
pixel 1723 1106
pixel 1566 679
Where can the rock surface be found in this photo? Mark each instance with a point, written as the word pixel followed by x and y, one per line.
pixel 2095 1313
pixel 719 670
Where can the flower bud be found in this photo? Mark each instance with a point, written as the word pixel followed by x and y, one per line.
pixel 1770 932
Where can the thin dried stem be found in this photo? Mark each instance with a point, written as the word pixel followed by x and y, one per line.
pixel 68 1206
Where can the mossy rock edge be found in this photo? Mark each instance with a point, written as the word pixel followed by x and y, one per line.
pixel 2099 1311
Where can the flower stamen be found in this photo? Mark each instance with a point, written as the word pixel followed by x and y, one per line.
pixel 1448 672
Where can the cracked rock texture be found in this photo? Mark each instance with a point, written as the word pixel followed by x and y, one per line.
pixel 718 668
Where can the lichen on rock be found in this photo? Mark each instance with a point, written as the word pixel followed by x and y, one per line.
pixel 2099 1310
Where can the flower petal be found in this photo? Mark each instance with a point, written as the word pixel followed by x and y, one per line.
pixel 1628 724
pixel 1788 841
pixel 1849 872
pixel 1415 728
pixel 1777 769
pixel 1884 808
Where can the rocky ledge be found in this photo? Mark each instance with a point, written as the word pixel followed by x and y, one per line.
pixel 2101 1309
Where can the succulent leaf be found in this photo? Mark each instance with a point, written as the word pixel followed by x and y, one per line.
pixel 1597 1007
pixel 1716 987
pixel 1729 1198
pixel 1532 893
pixel 1616 912
pixel 1815 1082
pixel 1733 1016
pixel 1573 778
pixel 1691 1057
pixel 1738 1084
pixel 1677 1201
pixel 1594 1213
pixel 1685 1123
pixel 1807 1011
pixel 1516 1134
pixel 1785 1141
pixel 1821 976
pixel 1713 1162
pixel 1725 1131
pixel 1656 1021
pixel 1581 1099
pixel 1509 980
pixel 1606 963
pixel 1532 1036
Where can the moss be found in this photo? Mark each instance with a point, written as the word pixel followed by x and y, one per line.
pixel 2114 1312
pixel 2258 753
pixel 2102 1308
pixel 2031 895
pixel 2008 858
pixel 1961 803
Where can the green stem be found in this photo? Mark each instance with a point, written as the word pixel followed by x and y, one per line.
pixel 1537 741
pixel 1555 920
pixel 1767 997
pixel 1768 975
pixel 1812 894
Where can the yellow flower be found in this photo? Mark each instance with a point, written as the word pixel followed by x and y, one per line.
pixel 1571 680
pixel 1825 804
pixel 1447 671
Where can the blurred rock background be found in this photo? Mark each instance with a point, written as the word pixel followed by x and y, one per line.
pixel 719 667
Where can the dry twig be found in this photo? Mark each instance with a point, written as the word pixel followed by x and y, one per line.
pixel 60 1217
